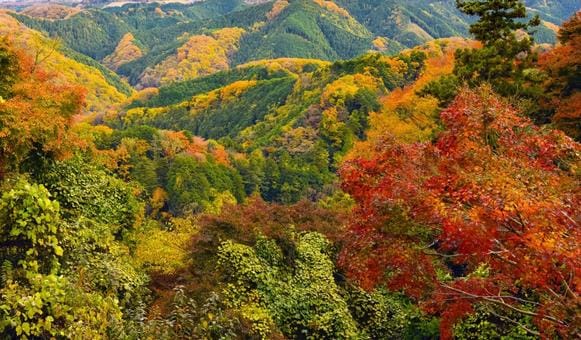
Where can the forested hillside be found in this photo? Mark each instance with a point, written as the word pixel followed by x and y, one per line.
pixel 321 29
pixel 103 87
pixel 296 169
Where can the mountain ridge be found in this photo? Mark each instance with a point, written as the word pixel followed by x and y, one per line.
pixel 273 29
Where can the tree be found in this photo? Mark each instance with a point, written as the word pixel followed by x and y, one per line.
pixel 498 19
pixel 563 67
pixel 507 42
pixel 487 214
pixel 8 69
pixel 37 301
pixel 36 117
pixel 31 229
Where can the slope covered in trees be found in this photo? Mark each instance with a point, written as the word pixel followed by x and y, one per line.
pixel 103 88
pixel 126 51
pixel 318 29
pixel 295 118
pixel 411 196
pixel 200 55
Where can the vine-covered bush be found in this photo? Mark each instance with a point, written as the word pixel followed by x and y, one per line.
pixel 84 189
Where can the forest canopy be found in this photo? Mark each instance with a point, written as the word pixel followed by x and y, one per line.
pixel 290 170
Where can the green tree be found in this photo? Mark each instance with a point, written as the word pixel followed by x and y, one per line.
pixel 36 300
pixel 30 229
pixel 506 54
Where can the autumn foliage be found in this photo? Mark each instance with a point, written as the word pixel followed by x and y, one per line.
pixel 126 51
pixel 277 8
pixel 200 55
pixel 332 7
pixel 563 65
pixel 36 115
pixel 488 213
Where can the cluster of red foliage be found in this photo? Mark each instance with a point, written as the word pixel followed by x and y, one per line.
pixel 493 192
pixel 37 115
pixel 244 222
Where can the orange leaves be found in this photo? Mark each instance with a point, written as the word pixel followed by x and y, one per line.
pixel 380 43
pixel 126 51
pixel 38 114
pixel 493 189
pixel 562 64
pixel 176 142
pixel 99 95
pixel 277 8
pixel 405 114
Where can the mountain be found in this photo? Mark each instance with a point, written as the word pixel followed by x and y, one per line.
pixel 288 170
pixel 167 34
pixel 414 22
pixel 105 89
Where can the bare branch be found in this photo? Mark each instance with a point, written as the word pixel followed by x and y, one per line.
pixel 495 299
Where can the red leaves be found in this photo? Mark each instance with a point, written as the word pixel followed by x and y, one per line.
pixel 492 189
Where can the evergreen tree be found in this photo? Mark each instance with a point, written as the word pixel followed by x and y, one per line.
pixel 505 34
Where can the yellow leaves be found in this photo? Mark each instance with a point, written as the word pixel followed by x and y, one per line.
pixel 136 114
pixel 344 87
pixel 203 101
pixel 158 199
pixel 235 89
pixel 125 52
pixel 404 114
pixel 380 43
pixel 396 64
pixel 166 251
pixel 332 7
pixel 228 36
pixel 90 133
pixel 224 94
pixel 293 65
pixel 220 200
pixel 331 127
pixel 200 55
pixel 143 95
pixel 100 95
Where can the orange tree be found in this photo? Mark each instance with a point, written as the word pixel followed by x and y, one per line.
pixel 36 110
pixel 563 86
pixel 486 215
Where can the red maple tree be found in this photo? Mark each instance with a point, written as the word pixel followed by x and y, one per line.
pixel 487 213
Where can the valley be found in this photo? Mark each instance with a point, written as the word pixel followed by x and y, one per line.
pixel 290 169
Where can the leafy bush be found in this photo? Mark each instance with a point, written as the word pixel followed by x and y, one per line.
pixel 31 228
pixel 83 189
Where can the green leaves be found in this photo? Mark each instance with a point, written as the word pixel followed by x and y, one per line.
pixel 84 189
pixel 300 298
pixel 504 56
pixel 49 306
pixel 31 226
